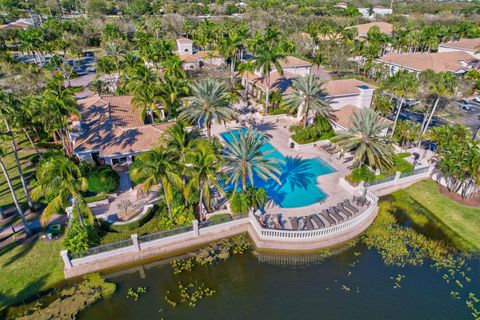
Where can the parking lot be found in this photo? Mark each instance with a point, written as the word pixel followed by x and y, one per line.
pixel 471 118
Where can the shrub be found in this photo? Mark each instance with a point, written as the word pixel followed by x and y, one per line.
pixel 238 203
pixel 320 130
pixel 135 224
pixel 362 173
pixel 79 238
pixel 98 197
pixel 102 179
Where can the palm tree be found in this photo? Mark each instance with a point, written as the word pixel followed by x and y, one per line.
pixel 267 59
pixel 209 102
pixel 308 96
pixel 3 153
pixel 440 85
pixel 367 140
pixel 146 101
pixel 9 107
pixel 204 172
pixel 244 157
pixel 243 69
pixel 158 167
pixel 61 179
pixel 114 51
pixel 179 139
pixel 404 84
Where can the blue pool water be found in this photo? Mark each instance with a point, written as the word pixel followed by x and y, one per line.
pixel 298 177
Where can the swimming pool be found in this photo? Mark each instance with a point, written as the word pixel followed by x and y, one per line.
pixel 298 177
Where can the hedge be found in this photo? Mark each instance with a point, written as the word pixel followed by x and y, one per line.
pixel 135 224
pixel 98 197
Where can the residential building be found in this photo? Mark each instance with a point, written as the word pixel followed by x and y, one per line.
pixel 110 132
pixel 339 93
pixel 21 24
pixel 457 62
pixel 194 60
pixel 385 27
pixel 376 12
pixel 471 46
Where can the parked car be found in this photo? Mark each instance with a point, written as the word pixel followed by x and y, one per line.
pixel 476 99
pixel 466 105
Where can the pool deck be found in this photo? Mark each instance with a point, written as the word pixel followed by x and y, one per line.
pixel 279 138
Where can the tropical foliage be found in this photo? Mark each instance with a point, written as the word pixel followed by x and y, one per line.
pixel 367 140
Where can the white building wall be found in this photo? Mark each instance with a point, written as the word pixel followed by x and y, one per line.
pixel 185 48
pixel 301 71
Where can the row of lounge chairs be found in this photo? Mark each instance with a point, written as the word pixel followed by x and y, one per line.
pixel 325 218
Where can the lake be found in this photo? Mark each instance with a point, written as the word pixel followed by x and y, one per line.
pixel 353 284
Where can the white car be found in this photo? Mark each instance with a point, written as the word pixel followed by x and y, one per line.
pixel 476 99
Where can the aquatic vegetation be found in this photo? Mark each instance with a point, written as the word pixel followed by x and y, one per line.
pixel 473 304
pixel 182 265
pixel 72 300
pixel 398 279
pixel 135 293
pixel 400 246
pixel 190 294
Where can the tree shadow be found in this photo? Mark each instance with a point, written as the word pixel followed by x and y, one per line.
pixel 26 245
pixel 9 298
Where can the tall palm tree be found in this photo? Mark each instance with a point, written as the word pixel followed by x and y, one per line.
pixel 146 101
pixel 3 153
pixel 367 141
pixel 245 157
pixel 267 60
pixel 439 85
pixel 9 106
pixel 179 139
pixel 209 102
pixel 243 69
pixel 158 167
pixel 308 97
pixel 114 51
pixel 60 178
pixel 404 84
pixel 204 172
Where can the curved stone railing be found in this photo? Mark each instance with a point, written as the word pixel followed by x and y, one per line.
pixel 316 234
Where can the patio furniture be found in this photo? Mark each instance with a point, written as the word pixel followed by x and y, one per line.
pixel 346 203
pixel 307 223
pixel 277 221
pixel 338 208
pixel 332 212
pixel 294 222
pixel 324 213
pixel 317 220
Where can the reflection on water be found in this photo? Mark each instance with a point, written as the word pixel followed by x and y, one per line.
pixel 354 284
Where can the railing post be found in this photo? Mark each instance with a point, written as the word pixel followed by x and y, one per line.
pixel 430 170
pixel 136 245
pixel 398 175
pixel 196 232
pixel 66 259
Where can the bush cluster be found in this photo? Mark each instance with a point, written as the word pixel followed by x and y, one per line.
pixel 320 130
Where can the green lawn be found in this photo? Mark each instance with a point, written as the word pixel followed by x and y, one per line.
pixel 28 170
pixel 27 269
pixel 462 221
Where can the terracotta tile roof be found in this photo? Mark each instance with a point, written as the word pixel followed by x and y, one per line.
pixel 184 40
pixel 385 27
pixel 278 82
pixel 438 62
pixel 345 87
pixel 344 116
pixel 112 127
pixel 463 44
pixel 290 62
pixel 16 25
pixel 197 56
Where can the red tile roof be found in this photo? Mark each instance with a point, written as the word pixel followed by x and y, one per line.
pixel 463 44
pixel 438 62
pixel 384 27
pixel 113 127
pixel 184 40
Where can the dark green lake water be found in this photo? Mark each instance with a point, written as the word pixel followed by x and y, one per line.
pixel 251 287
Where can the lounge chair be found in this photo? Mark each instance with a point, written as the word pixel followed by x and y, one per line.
pixel 339 209
pixel 325 146
pixel 349 206
pixel 266 219
pixel 332 212
pixel 317 220
pixel 327 217
pixel 294 222
pixel 277 221
pixel 307 224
